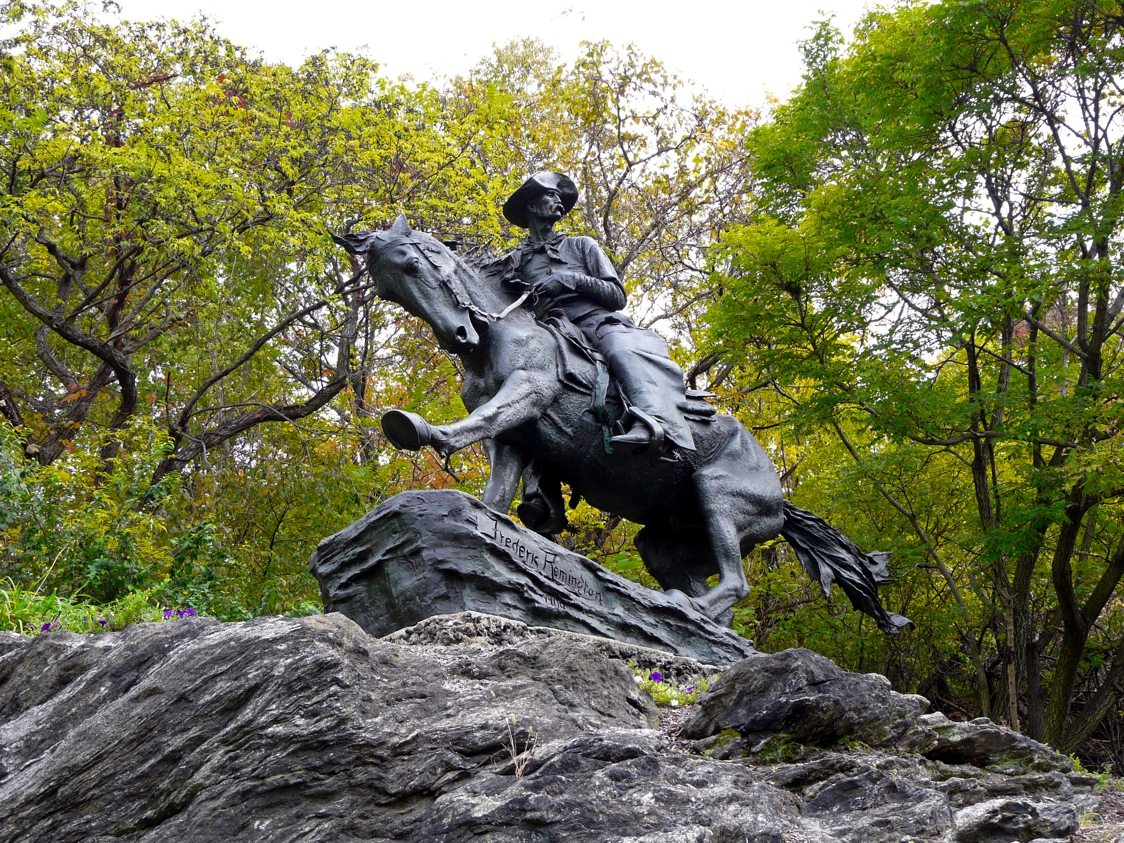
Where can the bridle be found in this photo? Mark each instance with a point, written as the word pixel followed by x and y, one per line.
pixel 479 311
pixel 459 295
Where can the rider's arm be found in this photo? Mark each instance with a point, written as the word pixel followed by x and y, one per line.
pixel 607 293
pixel 599 282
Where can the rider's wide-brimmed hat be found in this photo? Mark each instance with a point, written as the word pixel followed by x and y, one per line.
pixel 515 208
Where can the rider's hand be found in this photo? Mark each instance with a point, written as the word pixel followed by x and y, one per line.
pixel 550 286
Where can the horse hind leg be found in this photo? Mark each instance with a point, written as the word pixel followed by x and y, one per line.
pixel 739 496
pixel 680 560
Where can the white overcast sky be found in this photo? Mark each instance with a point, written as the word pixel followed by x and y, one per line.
pixel 739 52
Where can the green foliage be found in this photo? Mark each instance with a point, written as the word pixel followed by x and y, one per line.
pixel 35 613
pixel 913 300
pixel 1104 777
pixel 779 749
pixel 167 273
pixel 927 289
pixel 715 743
pixel 666 693
pixel 82 525
pixel 660 164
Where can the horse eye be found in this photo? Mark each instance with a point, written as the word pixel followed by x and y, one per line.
pixel 412 266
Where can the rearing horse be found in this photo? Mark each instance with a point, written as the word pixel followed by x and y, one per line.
pixel 535 394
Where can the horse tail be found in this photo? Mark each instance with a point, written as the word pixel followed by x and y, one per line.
pixel 829 556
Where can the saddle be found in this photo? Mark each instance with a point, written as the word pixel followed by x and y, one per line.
pixel 574 346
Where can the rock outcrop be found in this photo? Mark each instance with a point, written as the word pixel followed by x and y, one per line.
pixel 806 698
pixel 311 730
pixel 907 775
pixel 474 629
pixel 428 553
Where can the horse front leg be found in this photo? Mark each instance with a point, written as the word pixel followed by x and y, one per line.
pixel 523 396
pixel 505 465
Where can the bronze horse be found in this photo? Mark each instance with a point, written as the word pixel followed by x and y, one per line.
pixel 538 398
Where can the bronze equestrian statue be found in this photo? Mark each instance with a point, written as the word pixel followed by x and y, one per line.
pixel 540 398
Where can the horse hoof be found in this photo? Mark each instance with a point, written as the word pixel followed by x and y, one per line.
pixel 533 514
pixel 680 599
pixel 407 431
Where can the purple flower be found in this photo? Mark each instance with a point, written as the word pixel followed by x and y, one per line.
pixel 103 622
pixel 49 625
pixel 186 613
pixel 656 676
pixel 690 689
pixel 168 613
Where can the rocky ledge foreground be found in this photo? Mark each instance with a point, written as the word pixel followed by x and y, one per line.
pixel 479 728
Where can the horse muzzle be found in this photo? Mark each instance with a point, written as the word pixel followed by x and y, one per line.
pixel 466 338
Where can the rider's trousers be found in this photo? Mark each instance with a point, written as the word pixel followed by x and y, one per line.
pixel 638 359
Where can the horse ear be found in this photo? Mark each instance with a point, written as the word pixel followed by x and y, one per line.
pixel 400 227
pixel 355 244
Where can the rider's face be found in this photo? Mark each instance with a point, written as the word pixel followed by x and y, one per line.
pixel 547 205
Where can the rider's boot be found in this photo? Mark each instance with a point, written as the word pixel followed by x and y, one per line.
pixel 644 432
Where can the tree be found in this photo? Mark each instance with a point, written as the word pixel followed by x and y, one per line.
pixel 165 263
pixel 660 166
pixel 933 277
pixel 165 215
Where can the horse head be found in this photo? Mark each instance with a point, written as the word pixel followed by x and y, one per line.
pixel 419 274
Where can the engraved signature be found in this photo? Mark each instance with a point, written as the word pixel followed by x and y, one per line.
pixel 548 563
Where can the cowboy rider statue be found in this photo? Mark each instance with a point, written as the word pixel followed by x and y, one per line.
pixel 572 276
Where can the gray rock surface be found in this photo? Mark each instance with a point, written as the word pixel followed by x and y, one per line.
pixel 982 743
pixel 310 730
pixel 877 802
pixel 277 729
pixel 1013 819
pixel 428 553
pixel 875 796
pixel 800 697
pixel 974 782
pixel 475 629
pixel 808 699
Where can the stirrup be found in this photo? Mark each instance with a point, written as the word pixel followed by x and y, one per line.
pixel 626 445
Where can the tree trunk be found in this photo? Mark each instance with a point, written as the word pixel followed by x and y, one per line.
pixel 1035 708
pixel 1074 628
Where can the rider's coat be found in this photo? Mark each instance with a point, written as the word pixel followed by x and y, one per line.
pixel 591 299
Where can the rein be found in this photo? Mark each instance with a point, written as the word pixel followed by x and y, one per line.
pixel 491 317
